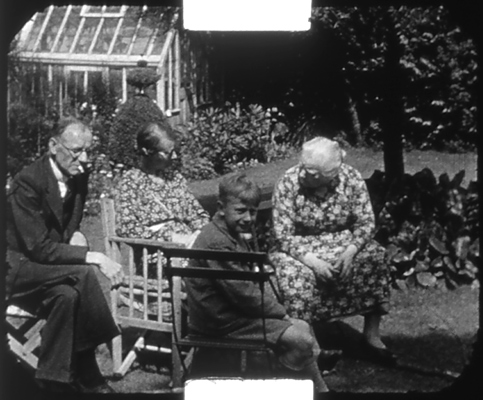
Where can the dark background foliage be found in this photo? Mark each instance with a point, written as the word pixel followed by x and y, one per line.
pixel 334 74
pixel 136 111
pixel 337 73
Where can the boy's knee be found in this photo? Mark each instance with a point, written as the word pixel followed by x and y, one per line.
pixel 300 348
pixel 300 339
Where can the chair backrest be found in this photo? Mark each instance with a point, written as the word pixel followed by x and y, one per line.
pixel 174 274
pixel 255 258
pixel 108 218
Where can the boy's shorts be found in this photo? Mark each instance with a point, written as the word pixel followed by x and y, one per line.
pixel 252 329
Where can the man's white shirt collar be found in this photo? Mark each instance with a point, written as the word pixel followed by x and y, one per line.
pixel 60 177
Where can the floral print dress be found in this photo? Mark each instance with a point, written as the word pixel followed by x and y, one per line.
pixel 325 225
pixel 152 207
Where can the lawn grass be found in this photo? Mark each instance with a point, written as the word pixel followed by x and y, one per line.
pixel 365 160
pixel 432 330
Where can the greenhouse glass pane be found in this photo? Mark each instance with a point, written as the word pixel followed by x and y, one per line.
pixel 34 33
pixel 75 87
pixel 105 36
pixel 126 33
pixel 142 40
pixel 94 9
pixel 115 83
pixel 86 36
pixel 52 29
pixel 70 28
pixel 159 42
pixel 114 9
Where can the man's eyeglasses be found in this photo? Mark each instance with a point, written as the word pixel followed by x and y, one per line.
pixel 75 154
pixel 171 155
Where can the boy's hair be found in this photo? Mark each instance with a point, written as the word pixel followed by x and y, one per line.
pixel 240 187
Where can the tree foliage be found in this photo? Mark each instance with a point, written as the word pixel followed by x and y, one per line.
pixel 438 68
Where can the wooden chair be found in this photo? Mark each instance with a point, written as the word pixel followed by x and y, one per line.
pixel 142 292
pixel 23 334
pixel 258 274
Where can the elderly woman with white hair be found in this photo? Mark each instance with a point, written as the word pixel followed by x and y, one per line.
pixel 327 264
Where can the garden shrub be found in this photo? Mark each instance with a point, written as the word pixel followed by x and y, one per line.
pixel 131 116
pixel 28 135
pixel 429 228
pixel 220 140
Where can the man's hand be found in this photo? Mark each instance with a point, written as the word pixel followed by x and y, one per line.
pixel 111 269
pixel 321 268
pixel 344 263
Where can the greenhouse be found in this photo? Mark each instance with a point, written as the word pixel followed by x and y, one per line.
pixel 69 49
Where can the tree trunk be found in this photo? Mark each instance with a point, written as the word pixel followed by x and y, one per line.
pixel 392 115
pixel 355 124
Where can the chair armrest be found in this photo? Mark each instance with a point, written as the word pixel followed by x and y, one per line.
pixel 209 273
pixel 219 255
pixel 159 244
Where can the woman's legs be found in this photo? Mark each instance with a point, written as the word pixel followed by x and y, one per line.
pixel 371 330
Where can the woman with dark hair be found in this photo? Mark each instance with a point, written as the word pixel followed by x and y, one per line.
pixel 154 202
pixel 327 263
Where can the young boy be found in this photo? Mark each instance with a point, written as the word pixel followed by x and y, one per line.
pixel 232 309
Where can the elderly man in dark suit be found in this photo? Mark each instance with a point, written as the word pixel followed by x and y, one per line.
pixel 50 268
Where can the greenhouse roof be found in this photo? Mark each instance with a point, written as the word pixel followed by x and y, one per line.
pixel 96 34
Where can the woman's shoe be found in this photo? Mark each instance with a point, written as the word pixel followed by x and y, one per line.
pixel 378 354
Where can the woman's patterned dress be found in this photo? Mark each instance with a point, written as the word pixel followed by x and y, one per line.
pixel 157 208
pixel 152 207
pixel 305 222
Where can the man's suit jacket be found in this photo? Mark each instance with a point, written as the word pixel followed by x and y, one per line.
pixel 39 224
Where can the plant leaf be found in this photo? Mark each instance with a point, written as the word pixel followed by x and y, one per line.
pixel 449 264
pixel 401 284
pixel 437 262
pixel 421 266
pixel 438 245
pixel 426 279
pixel 461 246
pixel 466 273
pixel 401 257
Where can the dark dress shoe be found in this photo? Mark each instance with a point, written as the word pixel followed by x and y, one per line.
pixel 328 359
pixel 57 387
pixel 378 355
pixel 101 388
